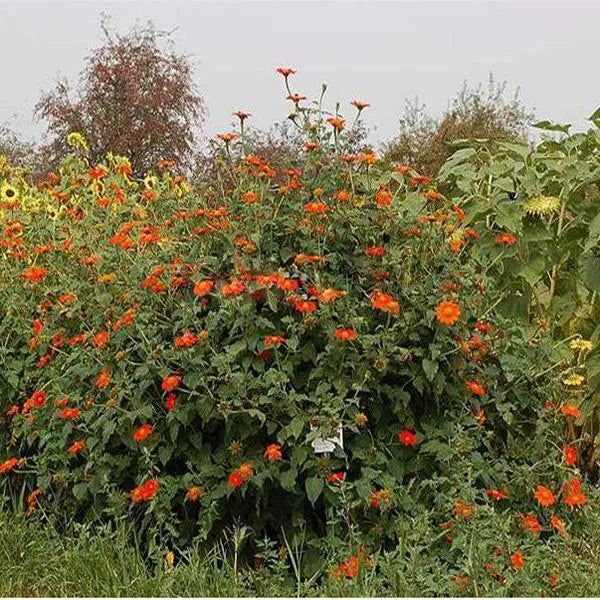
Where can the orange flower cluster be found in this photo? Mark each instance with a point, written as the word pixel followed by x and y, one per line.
pixel 145 492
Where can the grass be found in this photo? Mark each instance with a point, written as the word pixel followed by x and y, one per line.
pixel 38 561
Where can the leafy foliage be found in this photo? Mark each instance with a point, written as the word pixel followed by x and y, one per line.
pixel 320 355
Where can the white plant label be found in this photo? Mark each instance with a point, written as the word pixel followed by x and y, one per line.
pixel 322 445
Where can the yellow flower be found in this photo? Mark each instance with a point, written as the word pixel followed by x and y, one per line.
pixel 541 206
pixel 581 345
pixel 76 140
pixel 31 204
pixel 8 192
pixel 97 187
pixel 150 182
pixel 170 559
pixel 573 380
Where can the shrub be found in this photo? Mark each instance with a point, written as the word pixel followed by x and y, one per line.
pixel 315 354
pixel 425 142
pixel 136 95
pixel 550 277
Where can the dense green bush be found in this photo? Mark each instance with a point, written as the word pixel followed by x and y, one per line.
pixel 171 357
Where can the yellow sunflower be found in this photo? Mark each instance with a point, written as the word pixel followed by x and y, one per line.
pixel 150 182
pixel 8 192
pixel 541 206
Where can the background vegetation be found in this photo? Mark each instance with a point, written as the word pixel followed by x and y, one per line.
pixel 174 339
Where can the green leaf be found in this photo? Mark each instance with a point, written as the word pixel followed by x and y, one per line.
pixel 532 272
pixel 510 216
pixel 288 479
pixel 430 368
pixel 164 454
pixel 549 126
pixel 364 490
pixel 314 487
pixel 442 451
pixel 591 273
pixel 595 116
pixel 80 490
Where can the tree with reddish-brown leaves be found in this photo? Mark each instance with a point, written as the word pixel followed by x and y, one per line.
pixel 136 97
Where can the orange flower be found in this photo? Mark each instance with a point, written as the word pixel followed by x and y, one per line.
pixel 380 497
pixel 316 208
pixel 462 510
pixel 360 105
pixel 507 239
pixel 407 438
pixel 569 410
pixel 250 198
pixel 103 379
pixel 145 492
pixel 32 500
pixel 227 137
pixel 36 400
pixel 433 195
pixel 186 340
pixel 530 523
pixel 274 340
pixel 305 306
pixel 141 433
pixel 516 558
pixel 329 295
pixel 558 524
pixel 241 115
pixel 203 287
pixel 460 213
pixel 273 452
pixel 383 197
pixel 496 494
pixel 570 454
pixel 447 313
pixel 336 477
pixel 9 465
pixel 246 470
pixel 194 493
pixel 572 493
pixel 483 327
pixel 170 402
pixel 34 274
pixel 234 288
pixel 296 98
pixel 419 180
pixel 235 479
pixel 475 388
pixel 286 71
pixel 336 123
pixel 384 302
pixel 69 414
pixel 544 496
pixel 101 339
pixel 374 251
pixel 342 196
pixel 344 335
pixel 76 447
pixel 170 382
pixel 66 298
pixel 106 278
pixel 287 284
pixel 302 259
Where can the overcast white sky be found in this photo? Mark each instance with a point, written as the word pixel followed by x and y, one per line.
pixel 380 52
